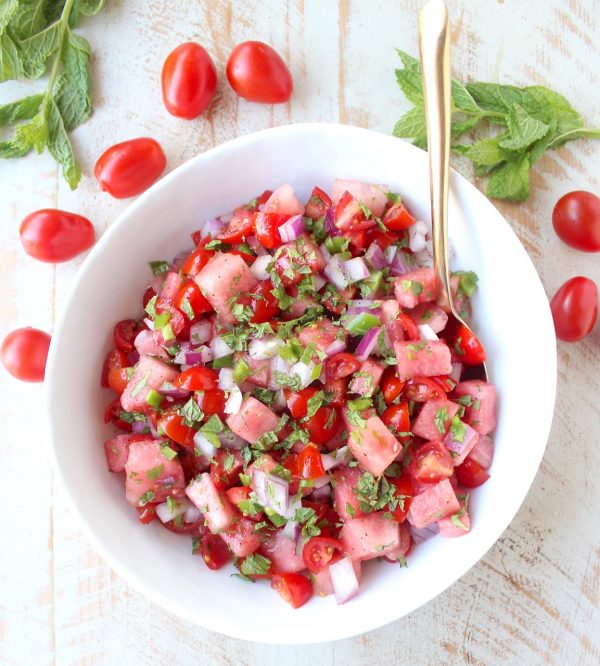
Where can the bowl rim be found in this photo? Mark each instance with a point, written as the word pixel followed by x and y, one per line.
pixel 129 574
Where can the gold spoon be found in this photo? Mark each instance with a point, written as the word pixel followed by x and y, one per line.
pixel 434 48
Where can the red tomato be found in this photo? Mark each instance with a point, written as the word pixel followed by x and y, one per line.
pixel 423 389
pixel 197 378
pixel 397 419
pixel 24 352
pixel 257 73
pixel 398 218
pixel 240 226
pixel 114 360
pixel 318 204
pixel 327 519
pixel 112 414
pixel 130 167
pixel 263 303
pixel 238 494
pixel 576 220
pixel 297 401
pixel 341 365
pixel 53 235
pixel 149 294
pixel 338 307
pixel 319 551
pixel 575 309
pixel 309 464
pixel 467 346
pixel 124 334
pixel 177 320
pixel 445 382
pixel 189 81
pixel 118 379
pixel 225 471
pixel 191 295
pixel 337 388
pixel 431 462
pixel 409 326
pixel 358 241
pixel 214 551
pixel 146 513
pixel 382 238
pixel 390 385
pixel 323 425
pixel 172 425
pixel 470 474
pixel 212 402
pixel 404 493
pixel 294 588
pixel 350 216
pixel 266 228
pixel 197 261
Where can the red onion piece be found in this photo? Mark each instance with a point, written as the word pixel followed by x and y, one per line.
pixel 133 357
pixel 390 253
pixel 139 427
pixel 194 358
pixel 207 354
pixel 256 246
pixel 200 332
pixel 343 580
pixel 374 255
pixel 461 449
pixel 229 440
pixel 421 534
pixel 336 347
pixel 321 494
pixel 292 228
pixel 399 265
pixel 203 445
pixel 336 273
pixel 355 269
pixel 329 223
pixel 212 228
pixel 271 491
pixel 321 482
pixel 367 344
pixel 168 389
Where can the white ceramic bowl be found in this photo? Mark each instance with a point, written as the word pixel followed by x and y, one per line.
pixel 511 315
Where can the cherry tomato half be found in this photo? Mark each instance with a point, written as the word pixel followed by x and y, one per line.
pixel 114 360
pixel 257 73
pixel 470 474
pixel 53 235
pixel 467 346
pixel 266 226
pixel 190 295
pixel 404 494
pixel 319 551
pixel 240 226
pixel 323 426
pixel 397 419
pixel 197 261
pixel 212 402
pixel 172 425
pixel 263 303
pixel 294 588
pixel 112 414
pixel 189 80
pixel 576 220
pixel 225 472
pixel 431 462
pixel 422 389
pixel 297 401
pixel 390 385
pixel 575 309
pixel 341 365
pixel 318 204
pixel 398 218
pixel 124 334
pixel 214 551
pixel 24 353
pixel 197 378
pixel 309 464
pixel 130 167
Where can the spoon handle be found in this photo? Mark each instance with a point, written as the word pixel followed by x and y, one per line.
pixel 434 47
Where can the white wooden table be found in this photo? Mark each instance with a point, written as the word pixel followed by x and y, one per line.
pixel 534 599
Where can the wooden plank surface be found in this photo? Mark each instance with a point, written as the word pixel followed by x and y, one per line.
pixel 534 599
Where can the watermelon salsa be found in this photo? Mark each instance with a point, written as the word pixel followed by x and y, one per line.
pixel 292 397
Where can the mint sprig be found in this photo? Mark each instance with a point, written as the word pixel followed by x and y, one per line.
pixel 530 120
pixel 36 35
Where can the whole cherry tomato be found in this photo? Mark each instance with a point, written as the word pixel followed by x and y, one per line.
pixel 189 81
pixel 576 220
pixel 24 353
pixel 575 309
pixel 53 235
pixel 257 73
pixel 130 167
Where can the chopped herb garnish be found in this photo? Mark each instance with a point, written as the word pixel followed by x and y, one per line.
pixel 159 267
pixel 255 564
pixel 191 413
pixel 440 418
pixel 146 497
pixel 458 430
pixel 167 452
pixel 155 472
pixel 140 385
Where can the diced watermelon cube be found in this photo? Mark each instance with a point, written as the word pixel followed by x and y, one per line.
pixel 404 546
pixel 147 470
pixel 253 420
pixel 370 536
pixel 149 373
pixel 430 314
pixel 241 538
pixel 217 509
pixel 345 500
pixel 415 287
pixel 456 525
pixel 483 452
pixel 372 196
pixel 434 419
pixel 435 503
pixel 372 444
pixel 259 369
pixel 299 307
pixel 117 450
pixel 366 380
pixel 146 345
pixel 282 553
pixel 389 311
pixel 321 333
pixel 225 276
pixel 283 201
pixel 481 413
pixel 172 285
pixel 422 358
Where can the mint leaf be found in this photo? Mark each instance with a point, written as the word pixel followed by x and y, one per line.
pixel 463 100
pixel 523 129
pixel 23 109
pixel 510 180
pixel 7 11
pixel 11 64
pixel 485 152
pixel 73 92
pixel 412 125
pixel 410 83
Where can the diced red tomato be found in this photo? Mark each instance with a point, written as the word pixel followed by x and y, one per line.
pixel 470 474
pixel 397 419
pixel 390 385
pixel 350 216
pixel 173 427
pixel 266 228
pixel 197 261
pixel 225 468
pixel 294 588
pixel 323 425
pixel 240 226
pixel 398 218
pixel 214 551
pixel 115 360
pixel 212 402
pixel 198 378
pixel 124 335
pixel 341 365
pixel 238 494
pixel 318 204
pixel 466 344
pixel 112 414
pixel 191 295
pixel 146 513
pixel 404 494
pixel 263 303
pixel 297 401
pixel 337 388
pixel 309 464
pixel 408 324
pixel 431 462
pixel 319 551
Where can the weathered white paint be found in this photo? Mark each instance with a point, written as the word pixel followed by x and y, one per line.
pixel 534 599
